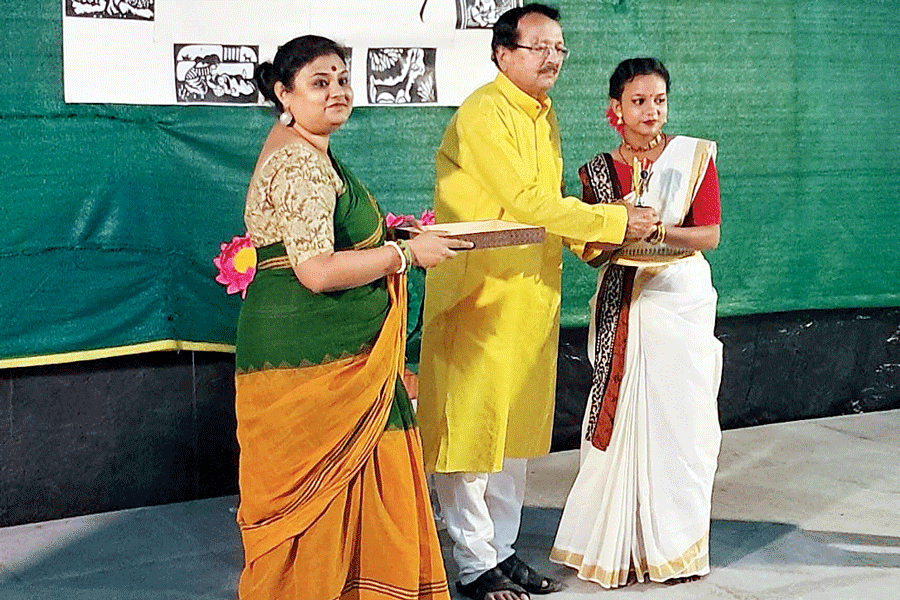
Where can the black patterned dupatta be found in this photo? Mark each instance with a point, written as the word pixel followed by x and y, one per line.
pixel 600 186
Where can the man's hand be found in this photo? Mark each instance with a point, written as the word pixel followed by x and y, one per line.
pixel 641 223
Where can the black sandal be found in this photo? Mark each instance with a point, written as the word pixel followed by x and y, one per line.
pixel 533 582
pixel 489 581
pixel 678 580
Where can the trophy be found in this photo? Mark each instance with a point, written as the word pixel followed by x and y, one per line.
pixel 640 179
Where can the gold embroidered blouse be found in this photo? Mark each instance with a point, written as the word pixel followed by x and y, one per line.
pixel 291 199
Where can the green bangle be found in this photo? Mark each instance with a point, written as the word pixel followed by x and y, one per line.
pixel 407 252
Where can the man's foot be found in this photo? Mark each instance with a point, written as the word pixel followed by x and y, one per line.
pixel 533 582
pixel 492 585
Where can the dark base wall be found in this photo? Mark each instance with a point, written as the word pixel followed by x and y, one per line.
pixel 157 428
pixel 116 433
pixel 777 367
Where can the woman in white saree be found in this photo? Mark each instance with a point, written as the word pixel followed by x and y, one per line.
pixel 640 505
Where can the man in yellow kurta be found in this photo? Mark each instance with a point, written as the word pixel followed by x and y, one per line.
pixel 488 363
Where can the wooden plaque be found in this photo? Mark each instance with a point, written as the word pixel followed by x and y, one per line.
pixel 484 234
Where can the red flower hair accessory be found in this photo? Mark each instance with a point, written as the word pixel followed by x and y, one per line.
pixel 614 121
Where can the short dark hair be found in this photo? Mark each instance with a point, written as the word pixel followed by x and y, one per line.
pixel 290 58
pixel 630 68
pixel 506 29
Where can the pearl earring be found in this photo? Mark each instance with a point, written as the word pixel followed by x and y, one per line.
pixel 619 119
pixel 286 118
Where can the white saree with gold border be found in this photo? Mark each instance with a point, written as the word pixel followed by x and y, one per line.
pixel 642 504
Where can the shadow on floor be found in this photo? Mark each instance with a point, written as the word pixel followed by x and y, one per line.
pixel 192 550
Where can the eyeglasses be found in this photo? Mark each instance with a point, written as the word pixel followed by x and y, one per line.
pixel 544 51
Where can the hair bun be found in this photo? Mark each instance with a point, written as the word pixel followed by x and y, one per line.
pixel 265 77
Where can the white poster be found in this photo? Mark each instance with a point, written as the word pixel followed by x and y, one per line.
pixel 403 52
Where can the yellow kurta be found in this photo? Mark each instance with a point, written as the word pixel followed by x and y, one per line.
pixel 487 378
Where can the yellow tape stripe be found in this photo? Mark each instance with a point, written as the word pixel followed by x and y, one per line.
pixel 79 355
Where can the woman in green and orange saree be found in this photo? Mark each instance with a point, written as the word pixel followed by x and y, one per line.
pixel 334 502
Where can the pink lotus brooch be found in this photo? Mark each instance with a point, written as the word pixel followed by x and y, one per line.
pixel 237 264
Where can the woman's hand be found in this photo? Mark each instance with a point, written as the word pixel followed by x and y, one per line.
pixel 698 237
pixel 345 269
pixel 429 248
pixel 642 222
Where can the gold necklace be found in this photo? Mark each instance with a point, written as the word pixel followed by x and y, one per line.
pixel 650 146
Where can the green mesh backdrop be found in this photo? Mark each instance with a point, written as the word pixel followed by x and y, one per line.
pixel 112 214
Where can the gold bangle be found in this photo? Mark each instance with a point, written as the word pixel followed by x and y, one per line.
pixel 657 236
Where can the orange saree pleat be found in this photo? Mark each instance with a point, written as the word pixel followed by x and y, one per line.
pixel 333 504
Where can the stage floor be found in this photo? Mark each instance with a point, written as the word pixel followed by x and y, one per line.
pixel 808 509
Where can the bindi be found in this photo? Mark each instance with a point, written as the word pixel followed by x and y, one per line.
pixel 333 68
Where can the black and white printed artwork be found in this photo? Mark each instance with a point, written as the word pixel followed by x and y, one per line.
pixel 481 14
pixel 215 74
pixel 142 10
pixel 401 75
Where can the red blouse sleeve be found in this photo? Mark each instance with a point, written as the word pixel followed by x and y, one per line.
pixel 706 209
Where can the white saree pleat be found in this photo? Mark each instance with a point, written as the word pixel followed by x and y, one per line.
pixel 643 505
